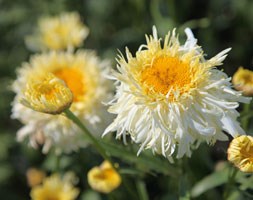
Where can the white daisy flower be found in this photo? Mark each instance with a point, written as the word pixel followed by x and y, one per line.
pixel 170 98
pixel 58 32
pixel 84 74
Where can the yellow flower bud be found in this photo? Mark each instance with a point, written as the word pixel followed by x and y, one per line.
pixel 34 176
pixel 243 81
pixel 51 95
pixel 104 178
pixel 240 153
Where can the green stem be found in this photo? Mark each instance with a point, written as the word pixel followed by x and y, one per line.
pixel 57 163
pixel 141 189
pixel 231 181
pixel 129 188
pixel 183 180
pixel 97 145
pixel 245 121
pixel 246 116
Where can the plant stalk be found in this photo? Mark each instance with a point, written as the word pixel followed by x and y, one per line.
pixel 94 141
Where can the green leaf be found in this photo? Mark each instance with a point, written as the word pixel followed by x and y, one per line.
pixel 130 171
pixel 5 172
pixel 52 162
pixel 234 195
pixel 7 140
pixel 89 194
pixel 245 180
pixel 211 181
pixel 146 161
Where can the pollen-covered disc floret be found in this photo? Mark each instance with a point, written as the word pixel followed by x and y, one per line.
pixel 240 153
pixel 170 98
pixel 58 32
pixel 50 95
pixel 83 73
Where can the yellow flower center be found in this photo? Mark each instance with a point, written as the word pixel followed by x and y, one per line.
pixel 166 73
pixel 74 79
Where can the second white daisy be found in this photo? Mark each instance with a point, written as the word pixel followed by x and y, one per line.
pixel 84 74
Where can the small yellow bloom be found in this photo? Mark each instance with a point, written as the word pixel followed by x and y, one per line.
pixel 58 32
pixel 240 153
pixel 50 95
pixel 104 178
pixel 34 176
pixel 243 81
pixel 56 188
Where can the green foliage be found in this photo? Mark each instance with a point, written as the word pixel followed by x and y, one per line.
pixel 114 24
pixel 211 181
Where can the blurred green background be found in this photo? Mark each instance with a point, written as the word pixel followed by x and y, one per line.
pixel 114 24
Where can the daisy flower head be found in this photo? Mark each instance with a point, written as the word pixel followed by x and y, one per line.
pixel 55 187
pixel 58 32
pixel 169 98
pixel 104 178
pixel 240 153
pixel 243 81
pixel 84 75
